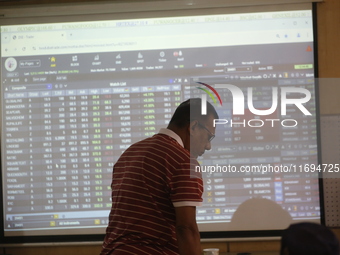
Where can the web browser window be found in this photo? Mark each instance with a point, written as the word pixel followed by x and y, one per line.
pixel 75 95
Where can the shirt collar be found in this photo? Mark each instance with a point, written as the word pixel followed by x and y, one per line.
pixel 172 134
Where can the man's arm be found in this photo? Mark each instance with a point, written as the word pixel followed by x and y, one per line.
pixel 187 231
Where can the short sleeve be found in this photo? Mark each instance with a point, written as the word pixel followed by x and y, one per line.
pixel 186 185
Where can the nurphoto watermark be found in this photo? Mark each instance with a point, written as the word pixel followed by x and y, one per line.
pixel 238 105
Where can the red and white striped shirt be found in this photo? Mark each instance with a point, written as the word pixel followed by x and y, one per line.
pixel 150 179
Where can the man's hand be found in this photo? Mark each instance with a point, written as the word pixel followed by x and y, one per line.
pixel 187 231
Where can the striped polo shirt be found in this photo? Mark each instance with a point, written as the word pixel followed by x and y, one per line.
pixel 150 179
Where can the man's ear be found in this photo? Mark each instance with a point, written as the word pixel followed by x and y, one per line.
pixel 192 126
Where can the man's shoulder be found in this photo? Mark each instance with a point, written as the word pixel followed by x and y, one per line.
pixel 161 139
pixel 162 144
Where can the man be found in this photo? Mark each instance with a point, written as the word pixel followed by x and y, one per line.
pixel 155 190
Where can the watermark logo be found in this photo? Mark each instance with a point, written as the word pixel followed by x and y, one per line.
pixel 204 96
pixel 239 102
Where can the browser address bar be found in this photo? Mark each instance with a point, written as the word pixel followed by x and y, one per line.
pixel 63 46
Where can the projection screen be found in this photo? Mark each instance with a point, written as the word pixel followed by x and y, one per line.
pixel 75 95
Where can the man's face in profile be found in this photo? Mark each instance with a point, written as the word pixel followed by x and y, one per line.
pixel 202 134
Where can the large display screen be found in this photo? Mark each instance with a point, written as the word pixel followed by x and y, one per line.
pixel 75 95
